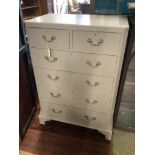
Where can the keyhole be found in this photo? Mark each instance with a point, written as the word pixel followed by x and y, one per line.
pixel 95 34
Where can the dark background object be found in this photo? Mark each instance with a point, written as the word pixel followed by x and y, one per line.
pixel 44 7
pixel 33 8
pixel 27 87
pixel 85 8
pixel 113 7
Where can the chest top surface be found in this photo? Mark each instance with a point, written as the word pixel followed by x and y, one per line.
pixel 116 21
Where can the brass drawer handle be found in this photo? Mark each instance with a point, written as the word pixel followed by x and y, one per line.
pixel 51 60
pixel 90 41
pixel 93 66
pixel 91 85
pixel 53 79
pixel 89 119
pixel 58 112
pixel 94 102
pixel 56 96
pixel 51 39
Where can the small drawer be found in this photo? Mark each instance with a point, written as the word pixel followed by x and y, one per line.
pixel 52 38
pixel 88 100
pixel 97 42
pixel 67 80
pixel 101 65
pixel 79 117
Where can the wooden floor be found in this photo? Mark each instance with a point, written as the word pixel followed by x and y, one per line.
pixel 57 138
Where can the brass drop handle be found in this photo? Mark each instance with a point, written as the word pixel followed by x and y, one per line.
pixel 89 119
pixel 94 102
pixel 58 112
pixel 54 59
pixel 91 85
pixel 93 66
pixel 90 41
pixel 56 96
pixel 51 39
pixel 53 79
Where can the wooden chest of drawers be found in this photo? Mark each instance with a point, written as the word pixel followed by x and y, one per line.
pixel 77 60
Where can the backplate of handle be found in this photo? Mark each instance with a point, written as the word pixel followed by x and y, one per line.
pixel 93 66
pixel 53 79
pixel 92 85
pixel 54 59
pixel 89 119
pixel 52 38
pixel 56 96
pixel 90 41
pixel 94 102
pixel 58 112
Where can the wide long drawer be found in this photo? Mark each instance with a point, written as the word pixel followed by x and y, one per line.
pixel 67 80
pixel 97 42
pixel 88 100
pixel 101 65
pixel 75 116
pixel 52 38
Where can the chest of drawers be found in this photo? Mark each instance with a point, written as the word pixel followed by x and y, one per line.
pixel 77 60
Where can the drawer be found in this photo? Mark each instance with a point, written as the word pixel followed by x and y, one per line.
pixel 97 42
pixel 67 80
pixel 51 38
pixel 86 100
pixel 78 117
pixel 75 62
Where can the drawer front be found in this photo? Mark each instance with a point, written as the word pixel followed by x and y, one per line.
pixel 86 100
pixel 51 38
pixel 76 116
pixel 66 80
pixel 97 42
pixel 76 62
